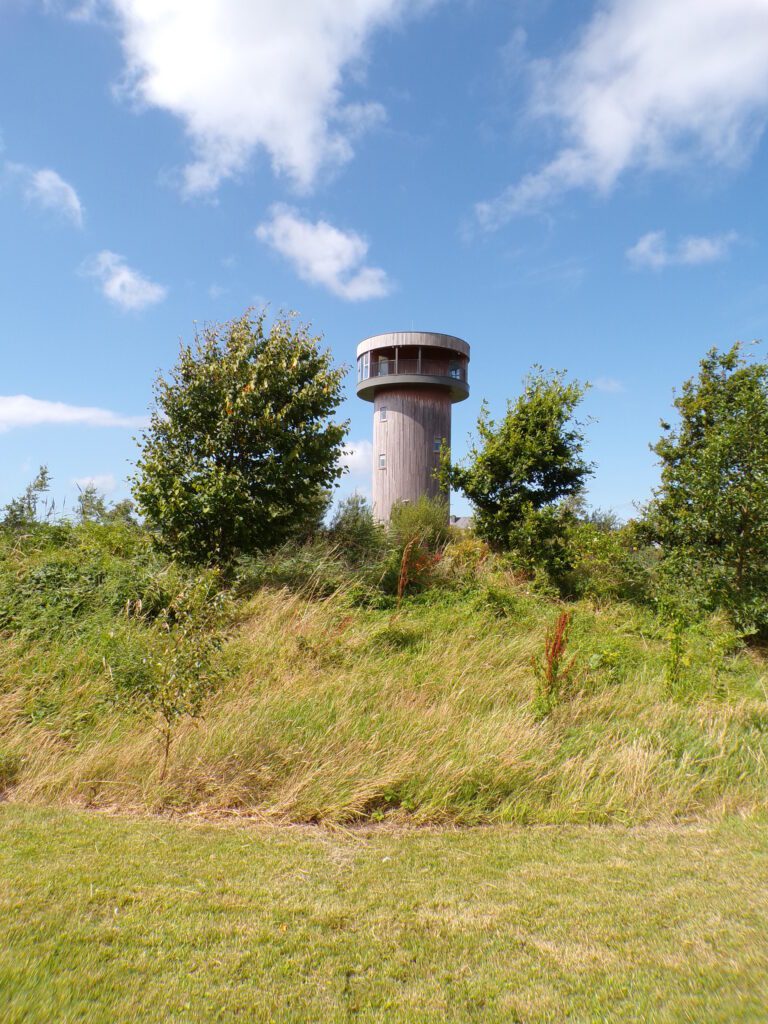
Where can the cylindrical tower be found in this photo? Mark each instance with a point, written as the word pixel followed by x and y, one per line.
pixel 412 378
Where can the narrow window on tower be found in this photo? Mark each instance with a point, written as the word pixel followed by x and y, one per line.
pixel 382 461
pixel 383 413
pixel 437 444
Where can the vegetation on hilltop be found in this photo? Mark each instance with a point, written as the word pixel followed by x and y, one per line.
pixel 233 653
pixel 331 702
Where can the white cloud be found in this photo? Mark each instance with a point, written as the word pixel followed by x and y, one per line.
pixel 653 250
pixel 650 85
pixel 248 75
pixel 122 284
pixel 359 458
pixel 609 385
pixel 104 483
pixel 325 255
pixel 23 411
pixel 50 190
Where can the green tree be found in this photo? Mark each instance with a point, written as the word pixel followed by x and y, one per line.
pixel 91 506
pixel 710 513
pixel 25 511
pixel 521 468
pixel 242 449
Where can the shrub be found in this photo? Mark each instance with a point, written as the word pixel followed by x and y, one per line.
pixel 60 574
pixel 425 521
pixel 354 532
pixel 178 669
pixel 524 465
pixel 609 563
pixel 417 534
pixel 710 513
pixel 23 512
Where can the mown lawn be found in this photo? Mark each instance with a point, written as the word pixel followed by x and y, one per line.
pixel 127 919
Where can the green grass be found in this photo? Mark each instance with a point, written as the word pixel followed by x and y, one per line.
pixel 110 919
pixel 345 710
pixel 331 712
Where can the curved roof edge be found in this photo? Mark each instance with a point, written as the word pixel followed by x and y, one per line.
pixel 428 339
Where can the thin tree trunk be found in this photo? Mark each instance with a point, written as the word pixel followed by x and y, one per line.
pixel 166 751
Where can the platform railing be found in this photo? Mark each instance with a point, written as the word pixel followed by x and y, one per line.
pixel 414 367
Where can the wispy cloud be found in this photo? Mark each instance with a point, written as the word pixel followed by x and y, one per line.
pixel 323 254
pixel 105 483
pixel 47 189
pixel 121 284
pixel 51 191
pixel 651 85
pixel 653 250
pixel 22 411
pixel 609 385
pixel 248 76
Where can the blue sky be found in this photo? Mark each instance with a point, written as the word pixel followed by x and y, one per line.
pixel 572 183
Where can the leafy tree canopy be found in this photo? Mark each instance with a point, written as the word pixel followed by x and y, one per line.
pixel 521 466
pixel 242 448
pixel 710 514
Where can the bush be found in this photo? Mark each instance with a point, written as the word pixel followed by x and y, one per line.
pixel 524 465
pixel 425 521
pixel 710 513
pixel 178 669
pixel 417 534
pixel 354 532
pixel 609 563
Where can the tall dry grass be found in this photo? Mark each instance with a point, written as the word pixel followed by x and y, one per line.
pixel 335 712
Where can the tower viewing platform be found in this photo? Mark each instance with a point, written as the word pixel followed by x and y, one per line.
pixel 412 378
pixel 413 358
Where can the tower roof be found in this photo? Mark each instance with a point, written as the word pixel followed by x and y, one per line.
pixel 426 339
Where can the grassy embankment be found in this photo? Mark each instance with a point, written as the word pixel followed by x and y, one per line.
pixel 344 709
pixel 108 919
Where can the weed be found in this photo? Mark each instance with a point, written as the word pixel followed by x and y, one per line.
pixel 552 669
pixel 676 659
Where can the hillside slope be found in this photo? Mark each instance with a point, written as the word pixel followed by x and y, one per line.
pixel 330 710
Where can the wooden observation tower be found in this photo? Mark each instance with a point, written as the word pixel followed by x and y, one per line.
pixel 412 378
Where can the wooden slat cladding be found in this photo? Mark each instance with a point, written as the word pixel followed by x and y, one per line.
pixel 415 419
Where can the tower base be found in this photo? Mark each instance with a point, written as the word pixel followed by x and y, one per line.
pixel 410 424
